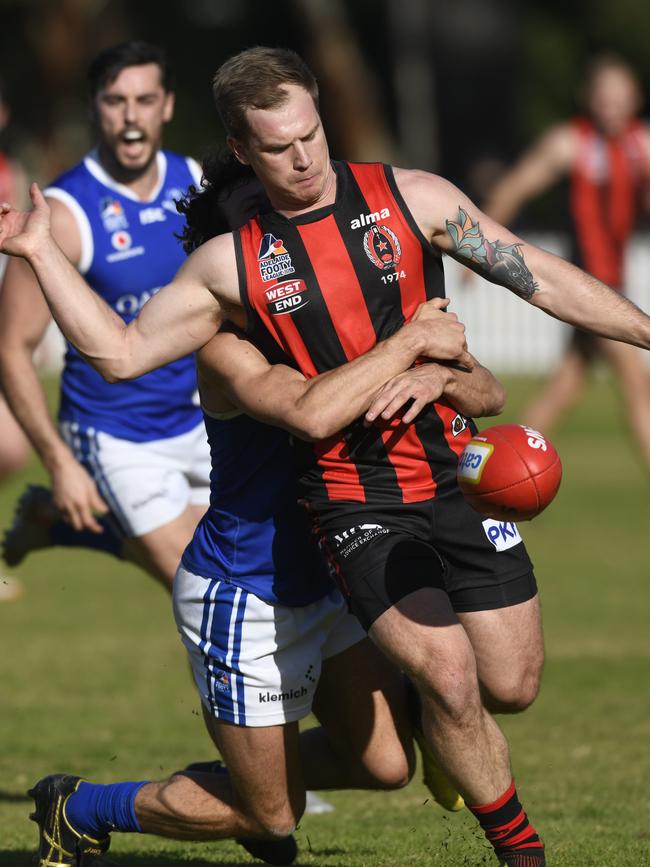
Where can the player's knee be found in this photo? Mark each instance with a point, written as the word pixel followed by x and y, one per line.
pixel 393 770
pixel 278 821
pixel 451 693
pixel 513 694
pixel 13 457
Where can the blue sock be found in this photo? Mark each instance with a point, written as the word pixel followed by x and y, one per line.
pixel 96 810
pixel 110 541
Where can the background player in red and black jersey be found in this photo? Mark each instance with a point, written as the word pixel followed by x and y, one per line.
pixel 268 100
pixel 605 153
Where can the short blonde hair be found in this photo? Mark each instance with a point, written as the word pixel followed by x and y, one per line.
pixel 256 78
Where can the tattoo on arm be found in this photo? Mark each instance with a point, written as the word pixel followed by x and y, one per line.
pixel 501 263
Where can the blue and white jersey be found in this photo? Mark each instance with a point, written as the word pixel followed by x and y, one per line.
pixel 254 534
pixel 128 252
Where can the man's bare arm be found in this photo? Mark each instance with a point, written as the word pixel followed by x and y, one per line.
pixel 548 160
pixel 472 393
pixel 457 227
pixel 176 321
pixel 24 318
pixel 317 408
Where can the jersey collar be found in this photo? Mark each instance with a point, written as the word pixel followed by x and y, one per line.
pixel 91 161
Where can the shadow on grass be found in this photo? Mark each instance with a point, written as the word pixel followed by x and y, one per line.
pixel 26 858
pixel 14 797
pixel 22 858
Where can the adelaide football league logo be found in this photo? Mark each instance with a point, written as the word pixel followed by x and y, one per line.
pixel 382 247
pixel 274 259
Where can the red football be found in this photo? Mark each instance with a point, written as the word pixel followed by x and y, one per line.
pixel 509 472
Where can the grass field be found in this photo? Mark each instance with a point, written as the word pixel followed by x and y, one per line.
pixel 94 681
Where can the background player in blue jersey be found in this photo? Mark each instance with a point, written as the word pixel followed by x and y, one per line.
pixel 465 664
pixel 268 634
pixel 137 449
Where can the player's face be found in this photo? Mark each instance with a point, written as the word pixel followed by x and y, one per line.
pixel 130 113
pixel 287 149
pixel 614 99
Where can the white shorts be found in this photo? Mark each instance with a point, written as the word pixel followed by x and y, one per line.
pixel 257 664
pixel 146 485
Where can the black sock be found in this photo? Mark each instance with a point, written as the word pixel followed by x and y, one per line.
pixel 507 827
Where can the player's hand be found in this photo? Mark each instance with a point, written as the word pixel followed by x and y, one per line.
pixel 24 232
pixel 77 498
pixel 421 385
pixel 444 334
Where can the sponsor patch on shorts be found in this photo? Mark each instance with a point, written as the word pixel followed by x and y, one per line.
pixel 502 534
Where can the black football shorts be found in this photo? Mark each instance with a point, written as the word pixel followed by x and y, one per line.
pixel 379 556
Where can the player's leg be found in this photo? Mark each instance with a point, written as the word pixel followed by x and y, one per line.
pixel 156 492
pixel 253 690
pixel 262 794
pixel 493 591
pixel 14 454
pixel 422 634
pixel 397 586
pixel 629 365
pixel 508 644
pixel 76 818
pixel 159 551
pixel 14 447
pixel 365 738
pixel 560 393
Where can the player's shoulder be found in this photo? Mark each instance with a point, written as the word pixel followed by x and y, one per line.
pixel 561 140
pixel 413 178
pixel 213 266
pixel 72 179
pixel 178 162
pixel 416 184
pixel 215 257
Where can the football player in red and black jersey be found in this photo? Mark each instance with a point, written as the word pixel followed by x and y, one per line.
pixel 605 153
pixel 342 255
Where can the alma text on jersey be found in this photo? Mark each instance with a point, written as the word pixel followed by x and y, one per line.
pixel 367 219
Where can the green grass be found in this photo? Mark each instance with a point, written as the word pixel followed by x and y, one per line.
pixel 93 680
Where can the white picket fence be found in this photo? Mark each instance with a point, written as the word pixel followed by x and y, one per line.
pixel 510 336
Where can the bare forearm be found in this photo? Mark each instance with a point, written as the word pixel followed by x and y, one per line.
pixel 26 398
pixel 476 393
pixel 84 318
pixel 336 398
pixel 570 294
pixel 546 281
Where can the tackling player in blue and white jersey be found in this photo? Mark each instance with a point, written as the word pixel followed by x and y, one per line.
pixel 137 448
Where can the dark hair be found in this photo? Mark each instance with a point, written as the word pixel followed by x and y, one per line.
pixel 229 195
pixel 108 64
pixel 255 78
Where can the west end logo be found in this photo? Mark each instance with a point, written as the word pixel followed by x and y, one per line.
pixel 286 297
pixel 274 259
pixel 382 247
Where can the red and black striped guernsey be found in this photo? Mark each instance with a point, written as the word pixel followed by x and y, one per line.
pixel 607 182
pixel 326 286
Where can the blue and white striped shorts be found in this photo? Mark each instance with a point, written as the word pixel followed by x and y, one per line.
pixel 254 663
pixel 145 485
